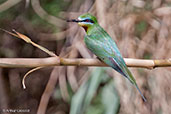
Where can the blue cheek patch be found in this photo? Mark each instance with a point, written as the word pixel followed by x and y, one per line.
pixel 87 23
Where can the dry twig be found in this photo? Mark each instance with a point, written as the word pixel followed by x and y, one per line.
pixel 55 61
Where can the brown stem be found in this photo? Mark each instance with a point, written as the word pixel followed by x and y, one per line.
pixel 56 61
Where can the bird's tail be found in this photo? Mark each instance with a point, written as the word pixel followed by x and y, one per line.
pixel 140 92
pixel 123 69
pixel 133 81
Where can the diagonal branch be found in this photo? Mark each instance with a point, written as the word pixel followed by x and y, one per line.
pixel 8 4
pixel 56 61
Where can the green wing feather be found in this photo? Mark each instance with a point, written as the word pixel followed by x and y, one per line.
pixel 102 45
pixel 106 53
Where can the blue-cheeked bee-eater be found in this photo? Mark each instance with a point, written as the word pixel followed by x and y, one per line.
pixel 103 46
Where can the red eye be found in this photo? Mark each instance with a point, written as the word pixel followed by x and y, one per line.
pixel 87 20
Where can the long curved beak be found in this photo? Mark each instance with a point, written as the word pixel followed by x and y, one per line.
pixel 74 20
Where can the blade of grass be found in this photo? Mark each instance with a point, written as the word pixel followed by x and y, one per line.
pixel 110 99
pixel 28 40
pixel 84 95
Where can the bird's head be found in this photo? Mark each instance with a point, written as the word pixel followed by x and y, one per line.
pixel 86 21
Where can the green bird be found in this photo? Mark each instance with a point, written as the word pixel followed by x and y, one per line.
pixel 103 46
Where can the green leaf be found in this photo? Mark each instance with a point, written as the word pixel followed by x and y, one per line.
pixel 84 95
pixel 110 99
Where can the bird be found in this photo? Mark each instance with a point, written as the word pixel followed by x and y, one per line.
pixel 99 42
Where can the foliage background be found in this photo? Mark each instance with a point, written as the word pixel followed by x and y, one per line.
pixel 141 29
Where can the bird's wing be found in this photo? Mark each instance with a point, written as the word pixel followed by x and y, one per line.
pixel 122 68
pixel 105 48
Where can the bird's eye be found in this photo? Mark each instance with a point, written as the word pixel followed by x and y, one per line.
pixel 89 20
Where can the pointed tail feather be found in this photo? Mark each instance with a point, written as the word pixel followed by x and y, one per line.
pixel 133 81
pixel 140 93
pixel 123 69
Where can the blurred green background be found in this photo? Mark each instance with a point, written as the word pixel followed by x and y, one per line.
pixel 141 29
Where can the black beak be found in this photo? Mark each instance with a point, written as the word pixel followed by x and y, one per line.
pixel 73 20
